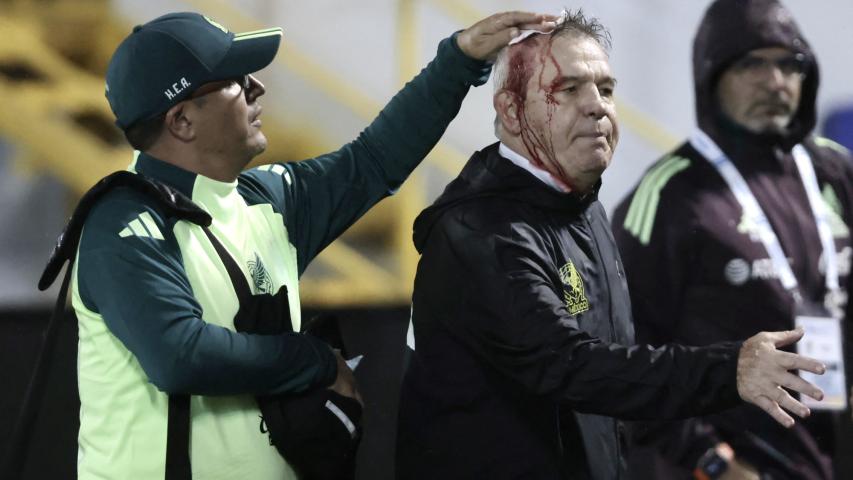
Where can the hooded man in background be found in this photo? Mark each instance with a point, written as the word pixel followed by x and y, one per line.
pixel 743 228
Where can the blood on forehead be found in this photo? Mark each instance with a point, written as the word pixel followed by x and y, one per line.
pixel 524 58
pixel 520 66
pixel 523 61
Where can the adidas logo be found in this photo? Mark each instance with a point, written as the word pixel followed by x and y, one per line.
pixel 142 226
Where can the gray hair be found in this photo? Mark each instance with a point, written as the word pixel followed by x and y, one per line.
pixel 570 23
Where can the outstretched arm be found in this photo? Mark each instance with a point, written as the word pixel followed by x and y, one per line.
pixel 522 329
pixel 322 197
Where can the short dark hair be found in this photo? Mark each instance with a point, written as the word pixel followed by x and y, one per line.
pixel 143 134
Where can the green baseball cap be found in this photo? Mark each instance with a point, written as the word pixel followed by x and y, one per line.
pixel 163 61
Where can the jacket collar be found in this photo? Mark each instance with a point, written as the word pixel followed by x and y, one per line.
pixel 488 174
pixel 187 182
pixel 172 175
pixel 525 164
pixel 215 197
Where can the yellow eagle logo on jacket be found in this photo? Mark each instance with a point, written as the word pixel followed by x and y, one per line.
pixel 573 290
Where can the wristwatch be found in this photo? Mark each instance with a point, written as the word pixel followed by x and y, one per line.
pixel 714 463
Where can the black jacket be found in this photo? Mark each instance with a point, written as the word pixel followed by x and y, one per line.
pixel 522 321
pixel 697 274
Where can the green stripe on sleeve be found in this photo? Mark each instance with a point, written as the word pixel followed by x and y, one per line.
pixel 654 198
pixel 638 204
pixel 825 142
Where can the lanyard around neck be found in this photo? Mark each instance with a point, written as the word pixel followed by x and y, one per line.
pixel 752 210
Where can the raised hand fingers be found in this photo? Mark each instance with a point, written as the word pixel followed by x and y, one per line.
pixel 780 339
pixel 774 410
pixel 763 370
pixel 792 361
pixel 793 382
pixel 485 38
pixel 520 19
pixel 789 403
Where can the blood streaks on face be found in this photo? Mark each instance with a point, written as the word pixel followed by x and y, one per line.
pixel 539 148
pixel 520 71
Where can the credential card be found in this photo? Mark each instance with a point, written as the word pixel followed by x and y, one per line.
pixel 822 342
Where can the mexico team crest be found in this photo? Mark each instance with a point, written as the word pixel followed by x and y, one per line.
pixel 262 280
pixel 573 290
pixel 748 226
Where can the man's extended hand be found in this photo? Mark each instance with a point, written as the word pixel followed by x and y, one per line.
pixel 345 383
pixel 484 39
pixel 762 371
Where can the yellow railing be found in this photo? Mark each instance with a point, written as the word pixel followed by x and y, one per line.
pixel 45 103
pixel 62 126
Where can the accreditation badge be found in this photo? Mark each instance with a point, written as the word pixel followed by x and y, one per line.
pixel 822 342
pixel 834 302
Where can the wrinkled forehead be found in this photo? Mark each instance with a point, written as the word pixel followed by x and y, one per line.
pixel 579 48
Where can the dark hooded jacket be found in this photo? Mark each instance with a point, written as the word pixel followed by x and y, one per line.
pixel 522 324
pixel 696 273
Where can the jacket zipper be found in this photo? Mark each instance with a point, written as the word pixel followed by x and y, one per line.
pixel 588 220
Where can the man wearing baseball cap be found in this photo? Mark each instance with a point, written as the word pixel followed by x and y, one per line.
pixel 155 294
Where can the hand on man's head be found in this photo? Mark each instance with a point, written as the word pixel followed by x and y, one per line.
pixel 484 39
pixel 764 372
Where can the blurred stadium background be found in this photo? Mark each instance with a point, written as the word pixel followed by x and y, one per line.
pixel 340 61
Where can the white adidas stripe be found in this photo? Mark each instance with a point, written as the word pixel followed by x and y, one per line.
pixel 142 226
pixel 151 226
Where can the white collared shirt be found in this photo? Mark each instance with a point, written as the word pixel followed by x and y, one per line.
pixel 537 172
